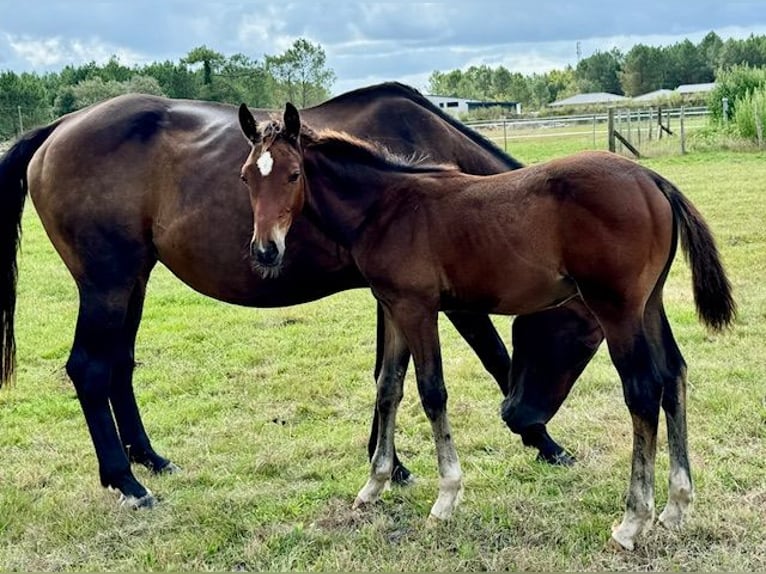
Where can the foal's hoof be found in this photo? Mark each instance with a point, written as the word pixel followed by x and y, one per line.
pixel 621 545
pixel 561 458
pixel 134 503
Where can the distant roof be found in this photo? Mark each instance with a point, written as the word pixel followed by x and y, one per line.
pixel 695 88
pixel 653 95
pixel 593 98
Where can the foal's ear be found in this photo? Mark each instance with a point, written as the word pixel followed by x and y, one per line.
pixel 292 121
pixel 248 125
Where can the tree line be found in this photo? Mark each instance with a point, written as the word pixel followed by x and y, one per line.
pixel 641 70
pixel 300 75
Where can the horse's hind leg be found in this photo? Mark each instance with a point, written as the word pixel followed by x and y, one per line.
pixel 134 439
pixel 98 346
pixel 633 352
pixel 673 366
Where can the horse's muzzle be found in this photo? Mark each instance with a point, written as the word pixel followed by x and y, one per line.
pixel 266 255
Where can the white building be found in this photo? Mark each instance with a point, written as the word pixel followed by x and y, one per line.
pixel 455 106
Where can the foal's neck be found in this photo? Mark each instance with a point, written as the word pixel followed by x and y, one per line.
pixel 343 197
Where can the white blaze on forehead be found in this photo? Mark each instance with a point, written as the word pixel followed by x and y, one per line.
pixel 265 163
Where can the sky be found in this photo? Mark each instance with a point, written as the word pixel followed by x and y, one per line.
pixel 365 42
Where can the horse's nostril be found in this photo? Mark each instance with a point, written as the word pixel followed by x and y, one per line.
pixel 266 255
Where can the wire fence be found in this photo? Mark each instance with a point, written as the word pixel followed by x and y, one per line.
pixel 651 128
pixel 641 127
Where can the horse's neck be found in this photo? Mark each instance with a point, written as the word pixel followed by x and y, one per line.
pixel 340 201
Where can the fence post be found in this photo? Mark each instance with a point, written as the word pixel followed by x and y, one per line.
pixel 683 132
pixel 594 131
pixel 659 123
pixel 610 129
pixel 758 123
pixel 21 124
pixel 505 134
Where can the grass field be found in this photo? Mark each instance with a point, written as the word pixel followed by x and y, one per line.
pixel 267 412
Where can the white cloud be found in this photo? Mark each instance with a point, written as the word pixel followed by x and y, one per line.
pixel 42 53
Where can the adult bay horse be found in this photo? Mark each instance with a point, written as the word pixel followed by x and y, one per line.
pixel 138 179
pixel 428 237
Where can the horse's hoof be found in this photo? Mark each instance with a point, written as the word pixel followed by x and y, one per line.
pixel 620 546
pixel 401 476
pixel 169 468
pixel 561 458
pixel 134 503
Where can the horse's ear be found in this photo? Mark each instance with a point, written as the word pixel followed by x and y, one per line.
pixel 292 121
pixel 249 125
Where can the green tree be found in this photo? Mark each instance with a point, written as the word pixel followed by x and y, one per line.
pixel 600 72
pixel 301 74
pixel 446 84
pixel 175 79
pixel 479 82
pixel 246 80
pixel 96 90
pixel 643 71
pixel 23 103
pixel 561 83
pixel 750 52
pixel 710 50
pixel 685 64
pixel 211 61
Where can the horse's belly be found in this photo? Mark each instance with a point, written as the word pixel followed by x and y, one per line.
pixel 512 293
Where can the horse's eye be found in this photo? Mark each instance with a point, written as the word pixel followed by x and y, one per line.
pixel 243 177
pixel 293 177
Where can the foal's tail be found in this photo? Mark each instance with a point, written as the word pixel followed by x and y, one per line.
pixel 13 192
pixel 712 290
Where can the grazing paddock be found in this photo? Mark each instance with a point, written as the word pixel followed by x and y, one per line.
pixel 267 412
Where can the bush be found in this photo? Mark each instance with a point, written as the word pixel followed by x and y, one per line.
pixel 734 84
pixel 750 113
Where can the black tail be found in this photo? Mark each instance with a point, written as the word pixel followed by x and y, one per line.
pixel 712 290
pixel 13 192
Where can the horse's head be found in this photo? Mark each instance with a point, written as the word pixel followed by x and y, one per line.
pixel 273 173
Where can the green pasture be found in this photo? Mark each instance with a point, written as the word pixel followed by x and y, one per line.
pixel 268 412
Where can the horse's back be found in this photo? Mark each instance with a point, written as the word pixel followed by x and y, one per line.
pixel 124 173
pixel 406 122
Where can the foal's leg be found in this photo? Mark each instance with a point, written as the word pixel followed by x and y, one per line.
pixel 632 354
pixel 680 487
pixel 550 350
pixel 134 439
pixel 421 331
pixel 394 362
pixel 97 346
pixel 400 473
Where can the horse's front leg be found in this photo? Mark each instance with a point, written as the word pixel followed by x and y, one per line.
pixel 418 323
pixel 393 368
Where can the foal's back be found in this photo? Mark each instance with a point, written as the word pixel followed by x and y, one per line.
pixel 520 241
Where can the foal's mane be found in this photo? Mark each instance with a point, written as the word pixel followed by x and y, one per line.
pixel 369 152
pixel 351 148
